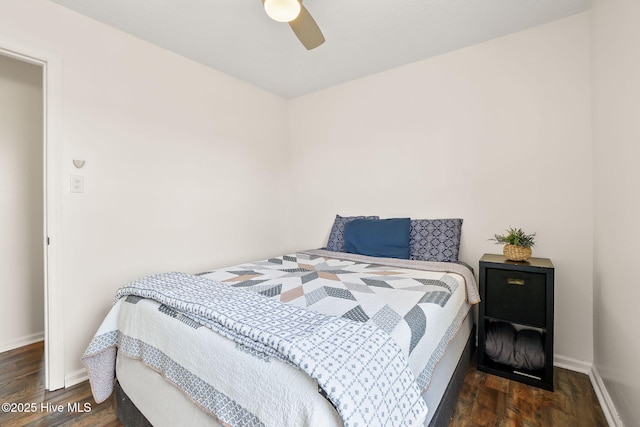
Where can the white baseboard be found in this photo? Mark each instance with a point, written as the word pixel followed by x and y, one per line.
pixel 572 364
pixel 75 377
pixel 590 369
pixel 608 407
pixel 22 341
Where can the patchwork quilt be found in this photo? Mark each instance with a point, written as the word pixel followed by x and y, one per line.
pixel 421 304
pixel 320 307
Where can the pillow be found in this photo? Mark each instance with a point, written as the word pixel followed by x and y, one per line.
pixel 387 238
pixel 435 239
pixel 336 237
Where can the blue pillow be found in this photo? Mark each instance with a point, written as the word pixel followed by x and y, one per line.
pixel 336 237
pixel 388 238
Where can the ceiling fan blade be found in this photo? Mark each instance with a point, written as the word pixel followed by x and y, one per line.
pixel 306 29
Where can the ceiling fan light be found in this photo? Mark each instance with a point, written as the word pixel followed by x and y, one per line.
pixel 282 10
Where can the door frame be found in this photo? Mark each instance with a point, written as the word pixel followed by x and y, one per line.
pixel 52 239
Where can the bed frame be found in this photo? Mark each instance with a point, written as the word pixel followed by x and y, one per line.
pixel 130 416
pixel 447 405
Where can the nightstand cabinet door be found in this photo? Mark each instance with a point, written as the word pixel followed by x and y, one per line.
pixel 516 304
pixel 516 296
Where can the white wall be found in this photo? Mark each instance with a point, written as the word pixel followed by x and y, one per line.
pixel 616 130
pixel 497 134
pixel 21 204
pixel 184 165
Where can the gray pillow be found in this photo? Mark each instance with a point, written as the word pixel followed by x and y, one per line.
pixel 435 239
pixel 500 342
pixel 528 351
pixel 336 237
pixel 519 349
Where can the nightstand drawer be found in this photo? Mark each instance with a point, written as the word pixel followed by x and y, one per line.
pixel 517 296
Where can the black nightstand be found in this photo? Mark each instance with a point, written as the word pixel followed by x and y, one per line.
pixel 521 294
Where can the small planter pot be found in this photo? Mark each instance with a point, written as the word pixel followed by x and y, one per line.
pixel 516 253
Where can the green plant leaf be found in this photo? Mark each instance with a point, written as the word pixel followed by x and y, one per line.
pixel 515 236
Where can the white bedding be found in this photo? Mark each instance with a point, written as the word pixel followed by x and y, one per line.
pixel 250 388
pixel 410 300
pixel 169 407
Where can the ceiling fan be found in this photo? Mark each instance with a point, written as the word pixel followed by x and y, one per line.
pixel 299 19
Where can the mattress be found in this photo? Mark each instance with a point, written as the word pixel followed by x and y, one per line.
pixel 165 354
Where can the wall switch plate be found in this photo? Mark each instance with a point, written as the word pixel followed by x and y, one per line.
pixel 77 184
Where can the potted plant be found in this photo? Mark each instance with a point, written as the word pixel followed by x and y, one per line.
pixel 517 244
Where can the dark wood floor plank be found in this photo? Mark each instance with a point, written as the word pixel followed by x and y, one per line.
pixel 485 400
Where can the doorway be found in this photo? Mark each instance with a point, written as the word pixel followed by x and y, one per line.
pixel 48 67
pixel 22 200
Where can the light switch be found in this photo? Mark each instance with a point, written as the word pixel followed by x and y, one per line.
pixel 77 184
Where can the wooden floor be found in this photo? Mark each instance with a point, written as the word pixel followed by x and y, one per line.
pixel 488 400
pixel 485 400
pixel 26 403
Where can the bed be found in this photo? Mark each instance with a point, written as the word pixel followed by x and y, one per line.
pixel 319 337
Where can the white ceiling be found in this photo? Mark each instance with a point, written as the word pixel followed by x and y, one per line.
pixel 363 37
